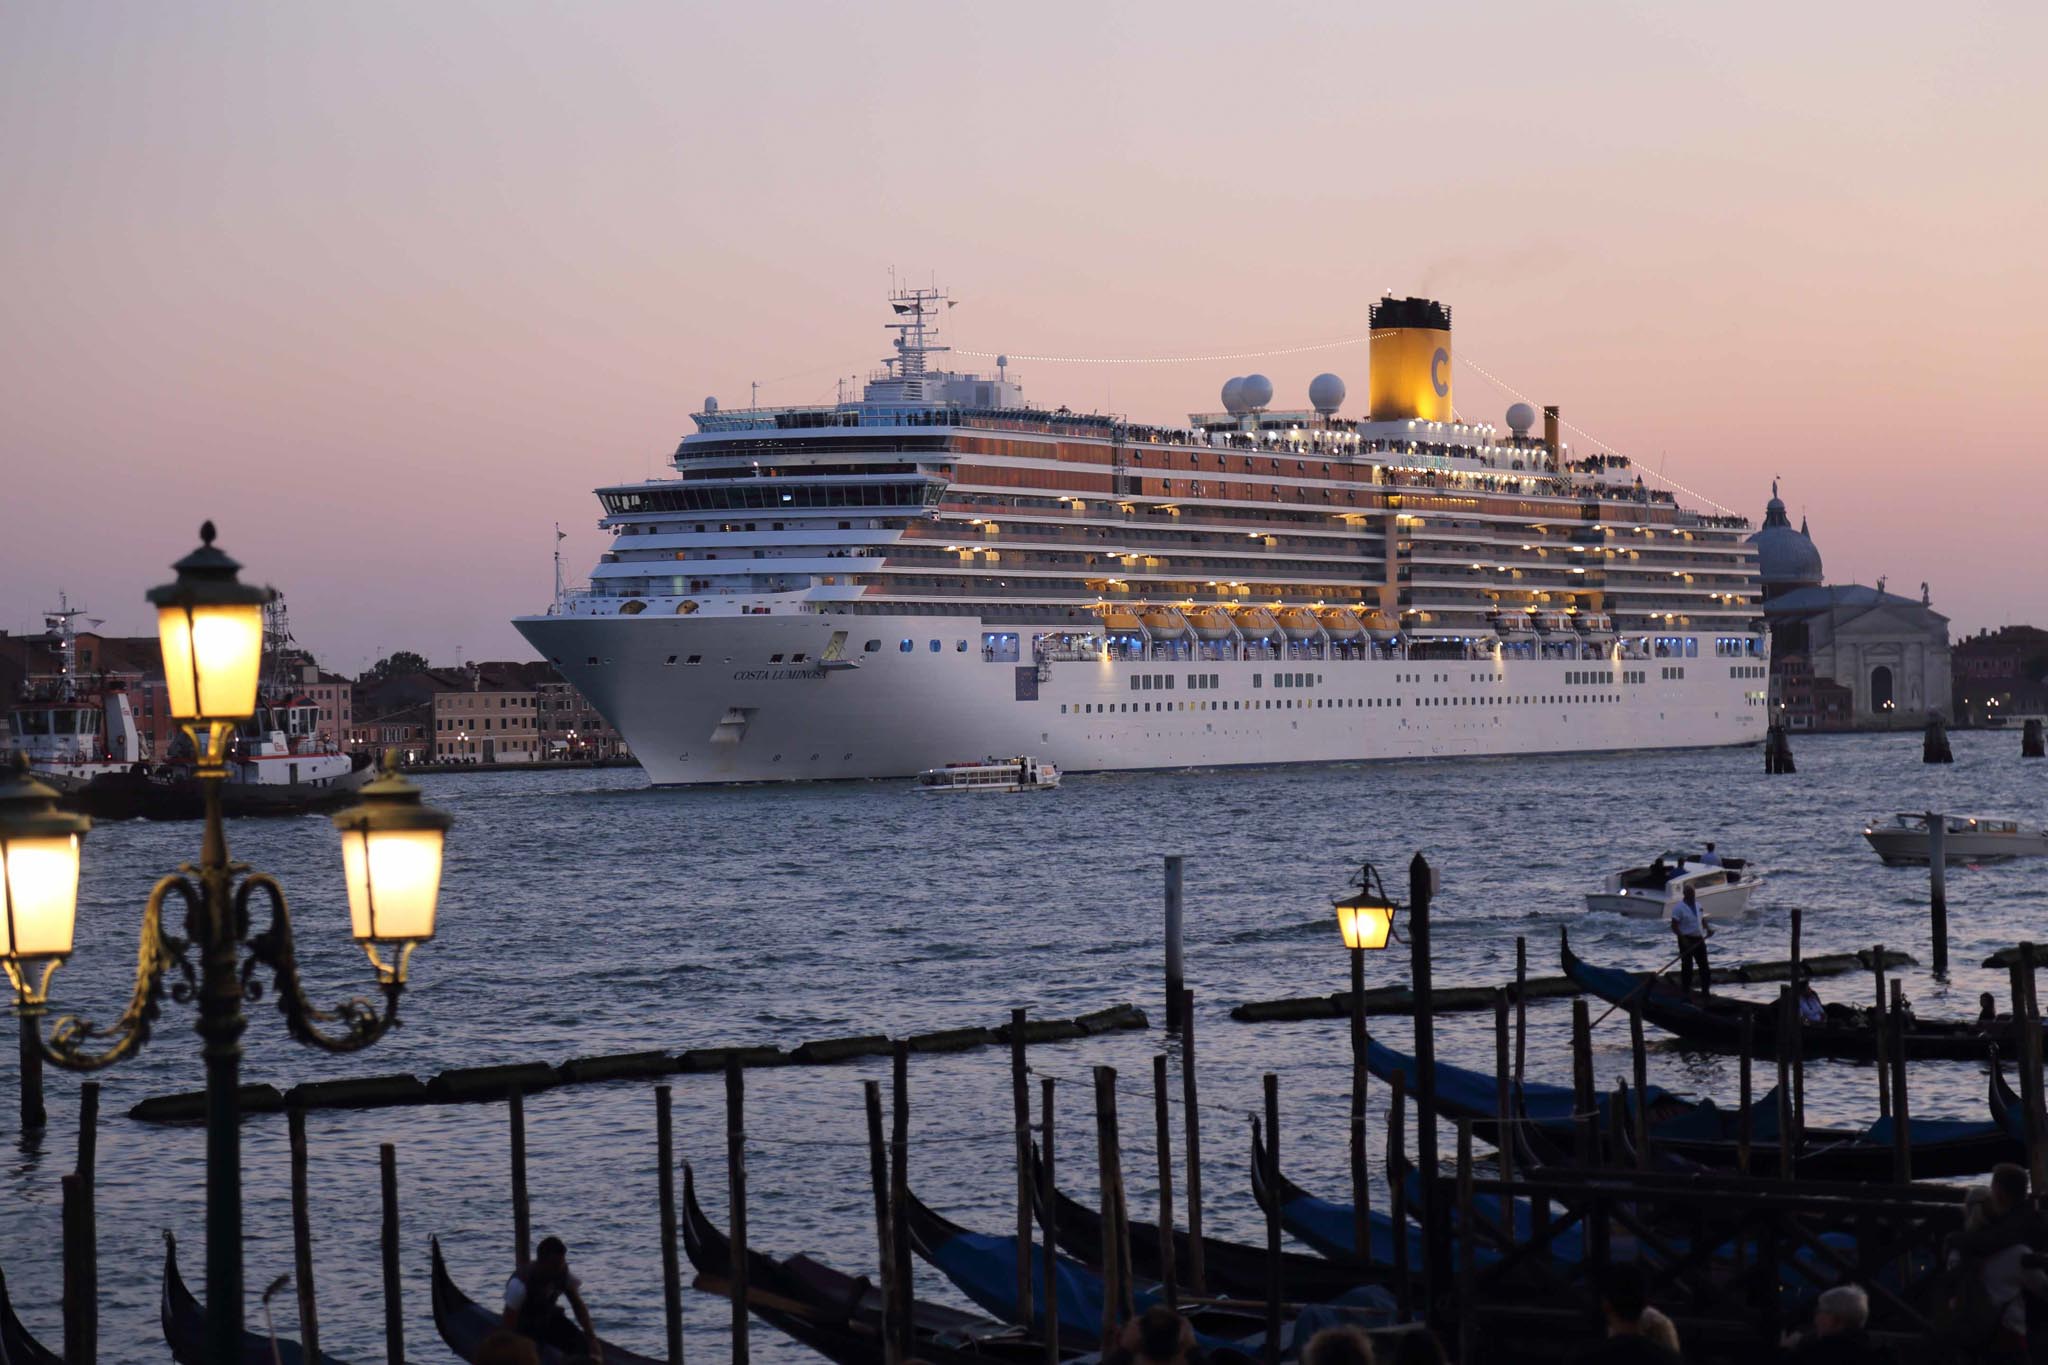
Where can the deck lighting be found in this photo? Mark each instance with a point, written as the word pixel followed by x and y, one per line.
pixel 38 880
pixel 211 628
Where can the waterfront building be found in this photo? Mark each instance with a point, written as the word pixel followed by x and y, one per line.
pixel 2001 676
pixel 1845 656
pixel 570 727
pixel 407 730
pixel 941 569
pixel 333 694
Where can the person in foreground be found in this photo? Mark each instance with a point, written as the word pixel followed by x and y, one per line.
pixel 1839 1337
pixel 1999 1237
pixel 533 1297
pixel 1624 1294
pixel 1338 1346
pixel 1158 1336
pixel 505 1347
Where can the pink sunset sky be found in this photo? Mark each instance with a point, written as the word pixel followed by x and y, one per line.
pixel 386 289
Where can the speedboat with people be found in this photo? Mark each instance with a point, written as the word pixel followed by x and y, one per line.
pixel 1903 839
pixel 1722 888
pixel 1020 774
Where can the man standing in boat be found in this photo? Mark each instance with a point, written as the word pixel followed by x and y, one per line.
pixel 1690 924
pixel 532 1295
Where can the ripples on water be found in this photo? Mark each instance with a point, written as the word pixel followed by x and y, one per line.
pixel 585 914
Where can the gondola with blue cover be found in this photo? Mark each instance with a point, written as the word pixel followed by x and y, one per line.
pixel 184 1322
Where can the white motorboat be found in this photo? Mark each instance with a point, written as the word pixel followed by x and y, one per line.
pixel 1901 840
pixel 1020 774
pixel 1723 891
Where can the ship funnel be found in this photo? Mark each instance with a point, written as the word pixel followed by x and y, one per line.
pixel 1550 431
pixel 1411 361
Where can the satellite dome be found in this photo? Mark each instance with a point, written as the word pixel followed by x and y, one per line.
pixel 1257 392
pixel 1326 393
pixel 1233 394
pixel 1520 418
pixel 711 405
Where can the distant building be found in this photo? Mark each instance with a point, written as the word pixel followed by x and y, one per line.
pixel 570 726
pixel 1845 656
pixel 2000 673
pixel 489 713
pixel 409 730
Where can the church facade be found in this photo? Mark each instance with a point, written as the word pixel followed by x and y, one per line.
pixel 1846 656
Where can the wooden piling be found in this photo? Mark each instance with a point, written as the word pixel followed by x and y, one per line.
pixel 736 1199
pixel 1274 1287
pixel 1421 886
pixel 1640 1069
pixel 302 1236
pixel 2026 1027
pixel 35 1116
pixel 1397 1193
pixel 1049 1211
pixel 1468 1238
pixel 1521 1005
pixel 88 1228
pixel 1361 1184
pixel 1163 1140
pixel 878 1177
pixel 1020 1106
pixel 1745 1121
pixel 1884 1071
pixel 665 1185
pixel 1105 1174
pixel 1585 1100
pixel 2031 743
pixel 1798 1034
pixel 1191 1119
pixel 1937 889
pixel 1503 1107
pixel 1176 967
pixel 73 1260
pixel 522 1214
pixel 1902 1109
pixel 394 1302
pixel 899 1199
pixel 1788 1023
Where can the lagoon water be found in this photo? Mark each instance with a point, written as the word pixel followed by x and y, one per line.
pixel 584 913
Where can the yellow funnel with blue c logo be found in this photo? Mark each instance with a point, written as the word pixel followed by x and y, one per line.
pixel 1411 361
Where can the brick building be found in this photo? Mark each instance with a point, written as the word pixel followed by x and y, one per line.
pixel 2000 673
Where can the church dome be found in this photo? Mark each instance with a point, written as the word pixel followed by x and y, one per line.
pixel 1785 558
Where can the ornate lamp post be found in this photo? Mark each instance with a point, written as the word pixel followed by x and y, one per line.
pixel 1366 920
pixel 211 629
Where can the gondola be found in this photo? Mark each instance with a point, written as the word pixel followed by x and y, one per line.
pixel 17 1347
pixel 1716 1024
pixel 1228 1268
pixel 185 1326
pixel 838 1316
pixel 464 1323
pixel 984 1268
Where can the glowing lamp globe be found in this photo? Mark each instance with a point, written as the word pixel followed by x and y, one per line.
pixel 211 628
pixel 391 859
pixel 38 874
pixel 1366 920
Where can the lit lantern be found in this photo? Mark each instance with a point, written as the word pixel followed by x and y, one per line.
pixel 1366 920
pixel 391 857
pixel 38 875
pixel 211 629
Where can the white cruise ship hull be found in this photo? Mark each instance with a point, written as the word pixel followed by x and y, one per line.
pixel 738 715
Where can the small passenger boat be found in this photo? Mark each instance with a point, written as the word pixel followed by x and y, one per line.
pixel 184 1321
pixel 1902 840
pixel 1020 774
pixel 1650 892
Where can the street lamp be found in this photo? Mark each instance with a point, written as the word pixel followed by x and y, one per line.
pixel 211 629
pixel 1365 920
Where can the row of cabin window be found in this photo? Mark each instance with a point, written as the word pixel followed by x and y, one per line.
pixel 1747 672
pixel 1326 703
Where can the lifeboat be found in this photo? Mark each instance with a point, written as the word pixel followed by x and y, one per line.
pixel 1300 624
pixel 1381 625
pixel 1165 621
pixel 1256 622
pixel 1211 623
pixel 1553 622
pixel 1120 620
pixel 1513 624
pixel 1341 624
pixel 1595 623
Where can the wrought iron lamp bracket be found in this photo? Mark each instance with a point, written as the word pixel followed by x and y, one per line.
pixel 361 1023
pixel 70 1037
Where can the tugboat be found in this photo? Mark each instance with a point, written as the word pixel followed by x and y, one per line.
pixel 75 732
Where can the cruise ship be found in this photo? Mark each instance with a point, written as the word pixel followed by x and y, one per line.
pixel 942 569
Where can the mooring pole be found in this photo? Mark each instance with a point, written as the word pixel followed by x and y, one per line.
pixel 88 1227
pixel 1361 1185
pixel 302 1236
pixel 1020 1117
pixel 1639 1056
pixel 1745 1121
pixel 1191 1118
pixel 1798 1032
pixel 1397 1142
pixel 34 1116
pixel 1937 889
pixel 736 1199
pixel 1274 1286
pixel 878 1176
pixel 1884 1072
pixel 1163 1138
pixel 1788 1024
pixel 665 1186
pixel 72 1187
pixel 1902 1109
pixel 394 1302
pixel 1105 1178
pixel 899 1196
pixel 1176 974
pixel 1521 1005
pixel 1436 1240
pixel 522 1214
pixel 1050 1213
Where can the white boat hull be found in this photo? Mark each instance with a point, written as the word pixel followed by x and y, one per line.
pixel 1730 901
pixel 1908 848
pixel 739 716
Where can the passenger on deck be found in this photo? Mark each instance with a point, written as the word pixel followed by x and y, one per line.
pixel 1710 858
pixel 1659 872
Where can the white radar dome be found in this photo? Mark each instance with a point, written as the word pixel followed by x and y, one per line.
pixel 1257 391
pixel 711 405
pixel 1326 393
pixel 1520 418
pixel 1233 394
